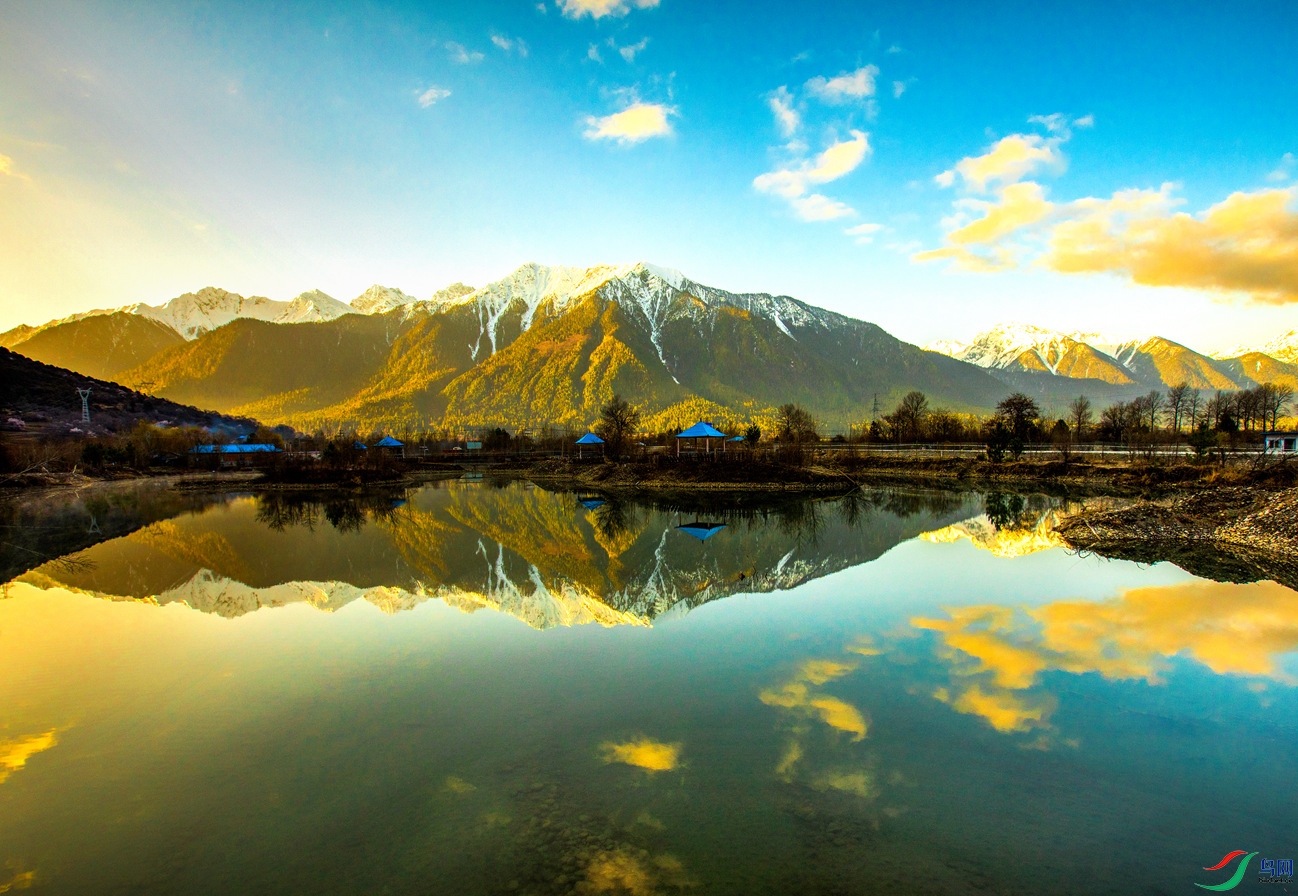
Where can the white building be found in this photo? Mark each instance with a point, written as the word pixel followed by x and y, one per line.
pixel 1280 442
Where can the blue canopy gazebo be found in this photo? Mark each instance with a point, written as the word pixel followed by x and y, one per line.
pixel 391 446
pixel 588 439
pixel 701 430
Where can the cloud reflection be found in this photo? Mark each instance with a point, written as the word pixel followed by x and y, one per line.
pixel 15 753
pixel 997 653
pixel 644 753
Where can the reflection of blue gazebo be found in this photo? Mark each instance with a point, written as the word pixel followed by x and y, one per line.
pixel 700 530
pixel 588 439
pixel 591 503
pixel 701 430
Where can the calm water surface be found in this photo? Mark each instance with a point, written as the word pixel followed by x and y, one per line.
pixel 477 689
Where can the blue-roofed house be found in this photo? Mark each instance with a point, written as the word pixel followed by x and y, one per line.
pixel 588 440
pixel 701 430
pixel 237 455
pixel 391 446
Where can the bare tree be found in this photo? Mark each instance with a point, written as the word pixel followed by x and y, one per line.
pixel 909 415
pixel 1192 402
pixel 794 424
pixel 1079 414
pixel 1176 398
pixel 618 421
pixel 1153 409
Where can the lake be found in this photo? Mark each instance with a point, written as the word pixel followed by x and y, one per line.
pixel 477 687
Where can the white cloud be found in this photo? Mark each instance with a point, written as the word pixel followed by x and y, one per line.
pixel 945 179
pixel 820 208
pixel 598 9
pixel 432 95
pixel 895 49
pixel 1086 121
pixel 1285 169
pixel 593 54
pixel 792 184
pixel 786 117
pixel 510 44
pixel 838 160
pixel 629 52
pixel 462 56
pixel 633 124
pixel 898 88
pixel 864 233
pixel 846 86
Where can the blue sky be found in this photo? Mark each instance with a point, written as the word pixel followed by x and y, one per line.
pixel 151 149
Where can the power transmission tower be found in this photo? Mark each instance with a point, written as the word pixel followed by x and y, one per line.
pixel 874 411
pixel 85 404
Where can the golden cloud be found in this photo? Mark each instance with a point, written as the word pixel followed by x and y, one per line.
pixel 633 124
pixel 1248 243
pixel 643 753
pixel 1008 161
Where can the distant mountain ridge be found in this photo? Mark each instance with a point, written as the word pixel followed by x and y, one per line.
pixel 1010 349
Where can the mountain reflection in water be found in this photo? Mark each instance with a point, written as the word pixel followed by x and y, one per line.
pixel 944 701
pixel 545 557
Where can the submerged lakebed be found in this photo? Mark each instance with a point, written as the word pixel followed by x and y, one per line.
pixel 478 688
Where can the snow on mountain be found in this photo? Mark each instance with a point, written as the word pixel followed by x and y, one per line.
pixel 195 313
pixel 646 291
pixel 381 299
pixel 1004 345
pixel 1282 348
pixel 313 306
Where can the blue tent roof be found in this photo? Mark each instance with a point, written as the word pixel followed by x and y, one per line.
pixel 359 446
pixel 592 503
pixel 701 531
pixel 233 449
pixel 700 430
pixel 735 439
pixel 590 439
pixel 388 442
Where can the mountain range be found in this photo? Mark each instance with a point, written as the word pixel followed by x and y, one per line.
pixel 550 345
pixel 1154 362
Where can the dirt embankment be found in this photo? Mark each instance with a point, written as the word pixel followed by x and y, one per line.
pixel 838 469
pixel 1231 533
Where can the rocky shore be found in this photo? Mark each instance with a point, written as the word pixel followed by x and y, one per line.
pixel 1228 533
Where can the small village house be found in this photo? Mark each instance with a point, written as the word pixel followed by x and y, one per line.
pixel 1280 442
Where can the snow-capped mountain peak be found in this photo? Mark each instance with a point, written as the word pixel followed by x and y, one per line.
pixel 1282 348
pixel 381 299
